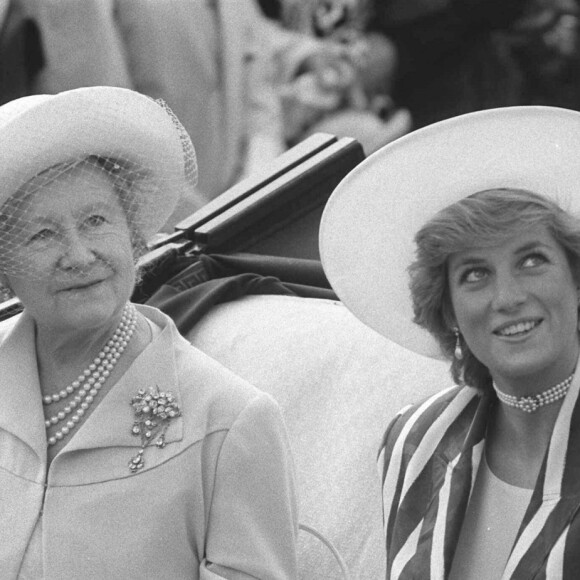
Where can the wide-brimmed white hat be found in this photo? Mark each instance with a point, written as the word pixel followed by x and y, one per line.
pixel 40 131
pixel 369 223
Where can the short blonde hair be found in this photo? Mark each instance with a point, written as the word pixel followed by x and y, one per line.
pixel 483 219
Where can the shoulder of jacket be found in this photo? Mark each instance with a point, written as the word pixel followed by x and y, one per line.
pixel 419 416
pixel 7 325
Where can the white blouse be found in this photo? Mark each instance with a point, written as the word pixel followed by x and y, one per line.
pixel 494 514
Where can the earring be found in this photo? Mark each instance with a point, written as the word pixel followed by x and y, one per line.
pixel 458 352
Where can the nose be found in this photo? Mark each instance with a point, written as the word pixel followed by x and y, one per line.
pixel 508 292
pixel 77 253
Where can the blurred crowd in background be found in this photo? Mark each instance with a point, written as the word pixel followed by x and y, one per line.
pixel 250 78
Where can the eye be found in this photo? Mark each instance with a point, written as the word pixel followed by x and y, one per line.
pixel 473 275
pixel 42 235
pixel 533 260
pixel 95 220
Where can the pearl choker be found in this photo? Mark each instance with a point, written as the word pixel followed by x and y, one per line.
pixel 91 380
pixel 533 403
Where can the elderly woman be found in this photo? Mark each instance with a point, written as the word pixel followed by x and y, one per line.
pixel 477 216
pixel 124 451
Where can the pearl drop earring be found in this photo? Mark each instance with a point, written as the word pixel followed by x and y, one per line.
pixel 458 352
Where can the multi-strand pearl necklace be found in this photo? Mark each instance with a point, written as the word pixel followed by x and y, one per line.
pixel 90 381
pixel 532 403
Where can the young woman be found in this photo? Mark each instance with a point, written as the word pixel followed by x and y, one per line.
pixel 477 216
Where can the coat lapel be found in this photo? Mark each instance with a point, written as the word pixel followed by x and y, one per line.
pixel 445 441
pixel 456 452
pixel 110 425
pixel 462 448
pixel 21 412
pixel 556 497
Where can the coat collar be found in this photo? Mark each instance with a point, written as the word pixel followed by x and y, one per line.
pixel 556 497
pixel 110 424
pixel 565 436
pixel 21 412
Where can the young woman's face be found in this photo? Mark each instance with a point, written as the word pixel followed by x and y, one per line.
pixel 516 305
pixel 74 251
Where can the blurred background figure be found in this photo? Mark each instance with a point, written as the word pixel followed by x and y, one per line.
pixel 450 58
pixel 247 86
pixel 251 78
pixel 339 81
pixel 20 52
pixel 458 56
pixel 547 48
pixel 207 59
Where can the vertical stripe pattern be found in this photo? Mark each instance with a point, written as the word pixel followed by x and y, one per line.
pixel 428 463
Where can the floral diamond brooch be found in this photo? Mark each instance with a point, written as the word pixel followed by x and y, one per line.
pixel 153 412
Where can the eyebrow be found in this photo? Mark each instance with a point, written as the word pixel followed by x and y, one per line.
pixel 97 206
pixel 532 246
pixel 475 260
pixel 42 220
pixel 83 210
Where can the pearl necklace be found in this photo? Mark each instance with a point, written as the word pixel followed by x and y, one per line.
pixel 91 380
pixel 533 403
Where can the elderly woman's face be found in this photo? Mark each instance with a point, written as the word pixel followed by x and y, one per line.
pixel 77 269
pixel 516 305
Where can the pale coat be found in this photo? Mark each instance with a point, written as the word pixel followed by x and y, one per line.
pixel 219 497
pixel 214 74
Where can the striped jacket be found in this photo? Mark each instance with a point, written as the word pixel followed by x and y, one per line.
pixel 428 462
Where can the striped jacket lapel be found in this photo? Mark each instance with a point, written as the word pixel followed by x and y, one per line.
pixel 432 453
pixel 430 456
pixel 547 544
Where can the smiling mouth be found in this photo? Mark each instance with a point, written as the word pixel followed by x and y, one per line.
pixel 82 286
pixel 519 329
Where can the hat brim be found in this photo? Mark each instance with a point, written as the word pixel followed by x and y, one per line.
pixel 40 131
pixel 369 223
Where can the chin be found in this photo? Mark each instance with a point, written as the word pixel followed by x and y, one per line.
pixel 91 314
pixel 533 365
